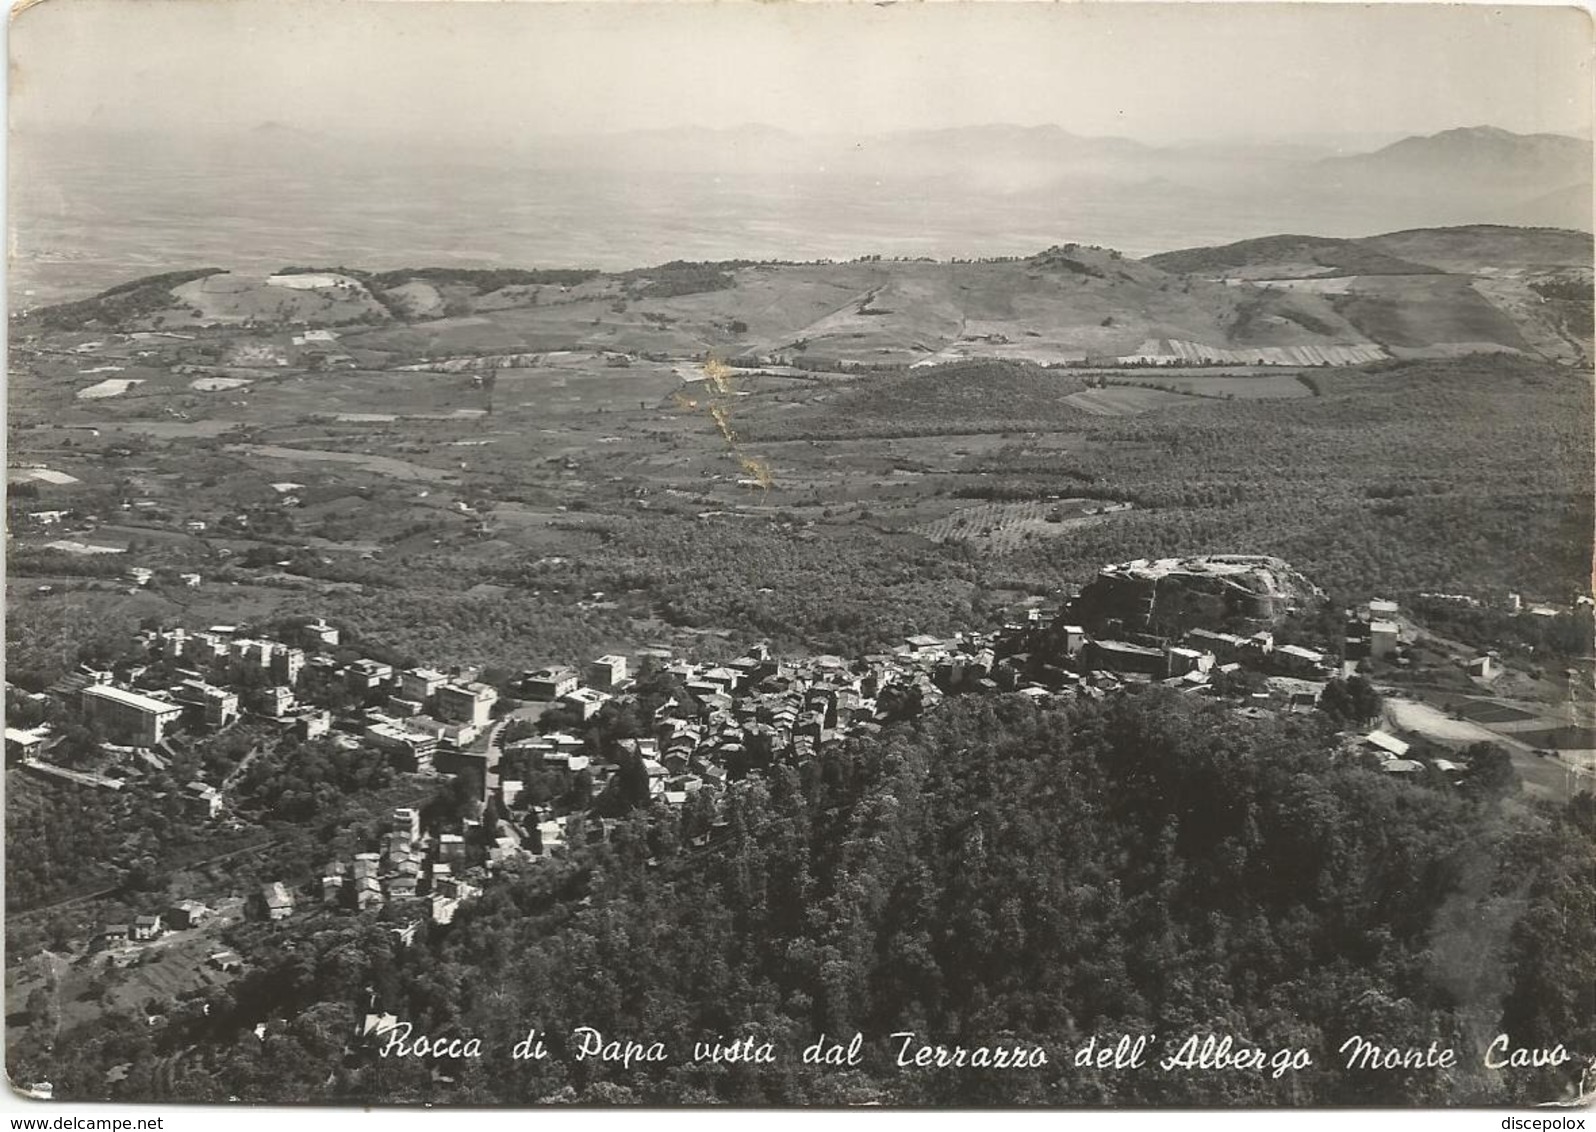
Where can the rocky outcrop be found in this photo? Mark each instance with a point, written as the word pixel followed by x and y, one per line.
pixel 1230 592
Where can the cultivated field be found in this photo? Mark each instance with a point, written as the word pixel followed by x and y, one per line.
pixel 1002 528
pixel 1122 401
pixel 1483 711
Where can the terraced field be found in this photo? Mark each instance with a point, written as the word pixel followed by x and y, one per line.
pixel 1002 528
pixel 1158 351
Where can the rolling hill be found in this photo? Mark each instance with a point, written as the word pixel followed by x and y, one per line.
pixel 1284 257
pixel 1292 300
pixel 1481 248
pixel 1432 291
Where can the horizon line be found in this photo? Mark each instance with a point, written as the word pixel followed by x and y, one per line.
pixel 1307 138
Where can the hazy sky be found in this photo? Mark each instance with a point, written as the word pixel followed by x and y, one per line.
pixel 1156 72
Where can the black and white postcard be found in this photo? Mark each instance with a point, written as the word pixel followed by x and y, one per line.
pixel 940 555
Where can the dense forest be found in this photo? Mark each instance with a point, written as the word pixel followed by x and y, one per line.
pixel 62 841
pixel 993 875
pixel 979 395
pixel 1471 476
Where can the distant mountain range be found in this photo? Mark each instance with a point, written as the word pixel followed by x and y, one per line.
pixel 1481 153
pixel 1536 179
pixel 1475 175
pixel 92 208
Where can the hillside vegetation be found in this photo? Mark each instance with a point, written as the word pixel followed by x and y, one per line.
pixel 971 396
pixel 972 878
pixel 1464 476
pixel 1433 291
pixel 1289 256
pixel 1463 250
pixel 1480 247
pixel 127 304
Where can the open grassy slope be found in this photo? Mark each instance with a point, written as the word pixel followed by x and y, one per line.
pixel 1277 257
pixel 1429 292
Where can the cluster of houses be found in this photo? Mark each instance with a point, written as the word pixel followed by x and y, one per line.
pixel 412 868
pixel 181 916
pixel 736 718
pixel 211 668
pixel 424 713
pixel 220 673
pixel 1373 632
pixel 1392 754
pixel 742 713
pixel 1057 654
pixel 425 721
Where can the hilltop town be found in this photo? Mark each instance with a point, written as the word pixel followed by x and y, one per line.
pixel 550 761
